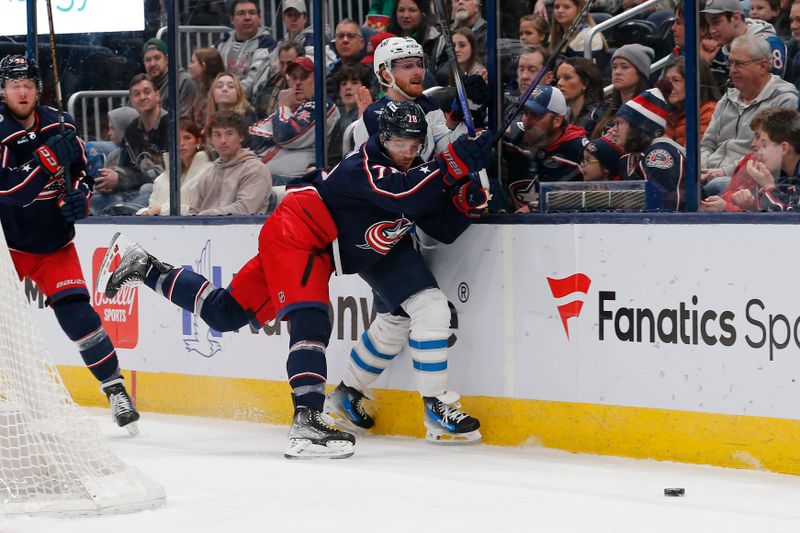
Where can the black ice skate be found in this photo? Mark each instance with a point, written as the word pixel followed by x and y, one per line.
pixel 125 263
pixel 123 412
pixel 311 437
pixel 346 407
pixel 447 423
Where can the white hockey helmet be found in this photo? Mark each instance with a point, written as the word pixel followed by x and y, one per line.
pixel 391 49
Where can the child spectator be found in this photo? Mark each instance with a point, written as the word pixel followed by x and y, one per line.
pixel 676 124
pixel 579 80
pixel 204 66
pixel 533 30
pixel 601 160
pixel 237 183
pixel 194 161
pixel 769 11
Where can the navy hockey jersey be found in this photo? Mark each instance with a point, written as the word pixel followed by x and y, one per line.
pixel 31 219
pixel 663 163
pixel 375 206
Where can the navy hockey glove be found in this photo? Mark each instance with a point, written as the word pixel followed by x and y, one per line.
pixel 461 157
pixel 471 199
pixel 74 205
pixel 478 93
pixel 59 151
pixel 484 144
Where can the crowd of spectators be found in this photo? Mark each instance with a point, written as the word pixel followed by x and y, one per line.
pixel 247 105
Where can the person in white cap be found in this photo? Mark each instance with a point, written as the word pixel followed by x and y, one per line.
pixel 550 149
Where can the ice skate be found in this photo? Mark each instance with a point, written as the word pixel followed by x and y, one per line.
pixel 123 412
pixel 312 437
pixel 347 409
pixel 447 423
pixel 125 263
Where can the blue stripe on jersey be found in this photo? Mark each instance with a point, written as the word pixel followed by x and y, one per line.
pixel 438 344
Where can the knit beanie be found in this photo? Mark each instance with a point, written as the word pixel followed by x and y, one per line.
pixel 640 56
pixel 649 110
pixel 608 152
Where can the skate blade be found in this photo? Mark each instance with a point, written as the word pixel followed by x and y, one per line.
pixel 342 422
pixel 446 438
pixel 116 249
pixel 132 429
pixel 305 449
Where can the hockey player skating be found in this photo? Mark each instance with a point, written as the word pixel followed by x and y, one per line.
pixel 37 214
pixel 347 218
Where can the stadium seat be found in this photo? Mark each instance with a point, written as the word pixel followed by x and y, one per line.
pixel 635 31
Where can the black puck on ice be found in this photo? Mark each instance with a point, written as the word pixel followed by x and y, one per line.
pixel 674 492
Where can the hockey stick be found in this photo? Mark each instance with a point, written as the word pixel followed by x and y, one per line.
pixel 459 80
pixel 57 82
pixel 568 36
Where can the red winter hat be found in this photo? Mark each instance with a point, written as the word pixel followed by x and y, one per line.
pixel 374 41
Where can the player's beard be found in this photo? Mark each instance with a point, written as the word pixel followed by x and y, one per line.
pixel 21 113
pixel 413 91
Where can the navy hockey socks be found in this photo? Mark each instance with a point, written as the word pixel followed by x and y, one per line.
pixel 306 364
pixel 82 325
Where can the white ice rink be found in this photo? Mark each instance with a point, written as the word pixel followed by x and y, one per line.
pixel 231 477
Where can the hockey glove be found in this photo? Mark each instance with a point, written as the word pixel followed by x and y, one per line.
pixel 59 151
pixel 478 93
pixel 74 205
pixel 471 199
pixel 484 144
pixel 461 157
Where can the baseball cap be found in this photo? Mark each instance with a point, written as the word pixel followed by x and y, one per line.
pixel 715 7
pixel 545 99
pixel 155 44
pixel 304 62
pixel 299 5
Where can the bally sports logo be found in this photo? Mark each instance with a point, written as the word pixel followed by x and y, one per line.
pixel 120 315
pixel 570 288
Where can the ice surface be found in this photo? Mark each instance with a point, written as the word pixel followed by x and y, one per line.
pixel 224 476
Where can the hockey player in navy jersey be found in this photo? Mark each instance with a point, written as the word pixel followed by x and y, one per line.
pixel 399 66
pixel 37 212
pixel 354 219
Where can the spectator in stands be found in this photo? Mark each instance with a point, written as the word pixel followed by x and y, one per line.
pixel 348 80
pixel 770 11
pixel 412 18
pixel 295 23
pixel 729 136
pixel 141 156
pixel 630 69
pixel 285 140
pixel 466 57
pixel 237 183
pixel 778 156
pixel 792 74
pixel 564 12
pixel 467 14
pixel 580 82
pixel 726 22
pixel 640 125
pixel 194 160
pixel 156 66
pixel 741 177
pixel 349 47
pixel 550 149
pixel 100 154
pixel 708 48
pixel 248 35
pixel 204 67
pixel 708 95
pixel 530 61
pixel 265 94
pixel 227 95
pixel 601 160
pixel 533 30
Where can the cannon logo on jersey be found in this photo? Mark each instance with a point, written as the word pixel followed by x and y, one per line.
pixel 120 314
pixel 382 236
pixel 198 337
pixel 569 289
pixel 53 188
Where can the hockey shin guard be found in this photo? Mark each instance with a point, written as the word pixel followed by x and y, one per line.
pixel 430 328
pixel 82 325
pixel 376 349
pixel 306 364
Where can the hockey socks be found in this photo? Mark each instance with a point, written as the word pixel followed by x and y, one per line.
pixel 306 365
pixel 82 325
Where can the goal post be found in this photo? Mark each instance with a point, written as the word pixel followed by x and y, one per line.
pixel 53 458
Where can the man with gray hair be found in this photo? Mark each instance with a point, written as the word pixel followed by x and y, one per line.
pixel 729 137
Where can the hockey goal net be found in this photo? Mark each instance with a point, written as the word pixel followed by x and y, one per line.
pixel 53 459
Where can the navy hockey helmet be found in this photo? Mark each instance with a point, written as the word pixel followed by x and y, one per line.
pixel 17 67
pixel 403 119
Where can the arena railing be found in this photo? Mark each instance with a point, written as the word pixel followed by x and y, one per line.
pixel 93 106
pixel 613 21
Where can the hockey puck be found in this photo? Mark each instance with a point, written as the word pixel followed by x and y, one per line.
pixel 674 492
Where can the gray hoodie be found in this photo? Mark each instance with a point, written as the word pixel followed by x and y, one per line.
pixel 237 56
pixel 729 137
pixel 242 186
